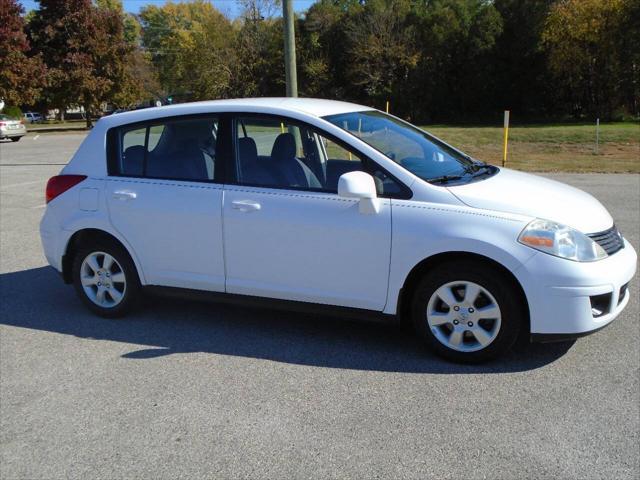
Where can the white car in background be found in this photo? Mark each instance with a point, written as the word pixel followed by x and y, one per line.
pixel 331 206
pixel 11 128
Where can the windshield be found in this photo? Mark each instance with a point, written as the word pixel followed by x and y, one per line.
pixel 417 151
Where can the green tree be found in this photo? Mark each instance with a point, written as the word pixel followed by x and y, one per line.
pixel 115 60
pixel 518 65
pixel 628 47
pixel 21 76
pixel 457 40
pixel 191 46
pixel 141 78
pixel 259 67
pixel 430 58
pixel 582 41
pixel 381 49
pixel 132 28
pixel 323 60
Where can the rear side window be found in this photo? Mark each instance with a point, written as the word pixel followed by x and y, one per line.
pixel 174 149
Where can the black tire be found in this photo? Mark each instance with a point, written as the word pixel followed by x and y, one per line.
pixel 496 283
pixel 15 139
pixel 131 292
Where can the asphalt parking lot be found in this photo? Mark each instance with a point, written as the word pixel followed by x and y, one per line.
pixel 184 390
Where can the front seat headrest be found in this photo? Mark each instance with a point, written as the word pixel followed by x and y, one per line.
pixel 284 148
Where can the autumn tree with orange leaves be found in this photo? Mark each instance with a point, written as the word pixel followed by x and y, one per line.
pixel 21 76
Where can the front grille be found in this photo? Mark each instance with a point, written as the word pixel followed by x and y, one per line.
pixel 610 240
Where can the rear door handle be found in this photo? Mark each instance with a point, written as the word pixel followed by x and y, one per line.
pixel 124 195
pixel 245 205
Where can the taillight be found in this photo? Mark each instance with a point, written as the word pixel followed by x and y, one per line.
pixel 2 124
pixel 61 183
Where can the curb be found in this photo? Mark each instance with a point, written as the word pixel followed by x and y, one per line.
pixel 57 129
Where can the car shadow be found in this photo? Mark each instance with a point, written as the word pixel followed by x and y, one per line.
pixel 37 299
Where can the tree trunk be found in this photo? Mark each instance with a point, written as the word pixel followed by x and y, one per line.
pixel 87 114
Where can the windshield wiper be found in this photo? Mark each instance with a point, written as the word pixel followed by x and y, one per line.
pixel 471 170
pixel 444 178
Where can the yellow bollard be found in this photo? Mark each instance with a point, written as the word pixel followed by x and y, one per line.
pixel 506 137
pixel 387 106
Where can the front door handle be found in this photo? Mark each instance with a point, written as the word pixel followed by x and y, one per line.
pixel 245 205
pixel 124 195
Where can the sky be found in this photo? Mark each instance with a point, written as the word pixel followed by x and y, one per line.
pixel 229 7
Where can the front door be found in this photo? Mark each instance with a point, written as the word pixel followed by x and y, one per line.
pixel 287 233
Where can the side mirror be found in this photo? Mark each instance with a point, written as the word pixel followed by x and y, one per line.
pixel 362 186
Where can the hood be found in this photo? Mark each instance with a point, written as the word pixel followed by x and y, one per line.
pixel 525 194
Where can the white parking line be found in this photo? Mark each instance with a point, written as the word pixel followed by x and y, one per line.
pixel 22 184
pixel 39 206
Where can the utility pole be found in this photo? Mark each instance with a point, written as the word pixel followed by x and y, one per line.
pixel 289 49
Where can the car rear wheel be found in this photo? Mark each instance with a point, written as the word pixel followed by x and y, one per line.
pixel 15 139
pixel 467 313
pixel 106 280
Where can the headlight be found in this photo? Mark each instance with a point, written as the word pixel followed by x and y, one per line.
pixel 561 241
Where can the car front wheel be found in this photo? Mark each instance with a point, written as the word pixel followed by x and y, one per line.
pixel 106 280
pixel 467 313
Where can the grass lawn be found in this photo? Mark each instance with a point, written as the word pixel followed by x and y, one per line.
pixel 71 125
pixel 544 148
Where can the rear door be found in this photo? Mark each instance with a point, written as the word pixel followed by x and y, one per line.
pixel 165 197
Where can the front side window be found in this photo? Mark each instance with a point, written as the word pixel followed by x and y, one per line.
pixel 280 153
pixel 274 152
pixel 176 149
pixel 417 151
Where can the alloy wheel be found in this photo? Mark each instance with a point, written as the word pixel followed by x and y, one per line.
pixel 103 279
pixel 464 316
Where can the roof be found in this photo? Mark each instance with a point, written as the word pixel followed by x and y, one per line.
pixel 310 106
pixel 318 107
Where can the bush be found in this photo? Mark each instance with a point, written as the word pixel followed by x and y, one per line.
pixel 13 112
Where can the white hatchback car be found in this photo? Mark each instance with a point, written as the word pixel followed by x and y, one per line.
pixel 327 206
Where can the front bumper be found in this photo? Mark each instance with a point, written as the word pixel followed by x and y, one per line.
pixel 562 294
